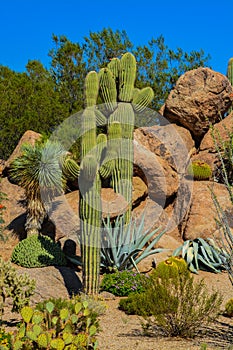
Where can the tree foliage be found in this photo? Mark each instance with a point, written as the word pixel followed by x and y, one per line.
pixel 40 99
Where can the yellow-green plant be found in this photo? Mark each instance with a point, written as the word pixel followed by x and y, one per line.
pixel 70 326
pixel 199 170
pixel 173 304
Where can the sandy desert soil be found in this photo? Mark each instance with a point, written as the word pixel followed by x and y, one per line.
pixel 124 332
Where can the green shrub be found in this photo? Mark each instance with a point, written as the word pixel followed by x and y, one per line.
pixel 122 283
pixel 229 308
pixel 132 305
pixel 57 324
pixel 18 287
pixel 172 302
pixel 38 251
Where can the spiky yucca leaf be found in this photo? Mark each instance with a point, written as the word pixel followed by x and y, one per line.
pixel 199 254
pixel 123 245
pixel 39 167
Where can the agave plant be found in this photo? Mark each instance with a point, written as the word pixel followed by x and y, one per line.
pixel 39 172
pixel 199 254
pixel 125 245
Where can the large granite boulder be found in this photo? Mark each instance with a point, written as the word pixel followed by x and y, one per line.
pixel 170 142
pixel 200 96
pixel 201 218
pixel 160 177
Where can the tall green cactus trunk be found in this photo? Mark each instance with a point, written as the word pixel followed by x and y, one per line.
pixel 108 156
pixel 90 191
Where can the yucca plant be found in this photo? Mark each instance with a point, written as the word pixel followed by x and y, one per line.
pixel 39 171
pixel 201 255
pixel 125 245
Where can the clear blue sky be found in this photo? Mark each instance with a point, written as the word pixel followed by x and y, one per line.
pixel 26 26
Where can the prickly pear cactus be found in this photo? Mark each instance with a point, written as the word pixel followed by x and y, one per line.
pixel 57 327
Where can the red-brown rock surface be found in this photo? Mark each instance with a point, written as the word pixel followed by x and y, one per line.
pixel 170 142
pixel 200 96
pixel 28 137
pixel 200 219
pixel 221 132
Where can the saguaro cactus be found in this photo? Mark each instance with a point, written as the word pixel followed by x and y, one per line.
pixel 108 155
pixel 90 186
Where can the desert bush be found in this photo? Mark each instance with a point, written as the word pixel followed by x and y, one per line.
pixel 15 286
pixel 173 304
pixel 57 324
pixel 123 283
pixel 229 308
pixel 38 251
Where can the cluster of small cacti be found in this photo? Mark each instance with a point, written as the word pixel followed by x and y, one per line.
pixel 199 170
pixel 72 327
pixel 199 254
pixel 15 286
pixel 106 156
pixel 38 251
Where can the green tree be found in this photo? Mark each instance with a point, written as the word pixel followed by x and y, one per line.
pixel 40 99
pixel 101 47
pixel 68 70
pixel 13 99
pixel 160 67
pixel 44 110
pixel 28 101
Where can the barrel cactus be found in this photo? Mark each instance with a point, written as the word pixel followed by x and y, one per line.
pixel 199 170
